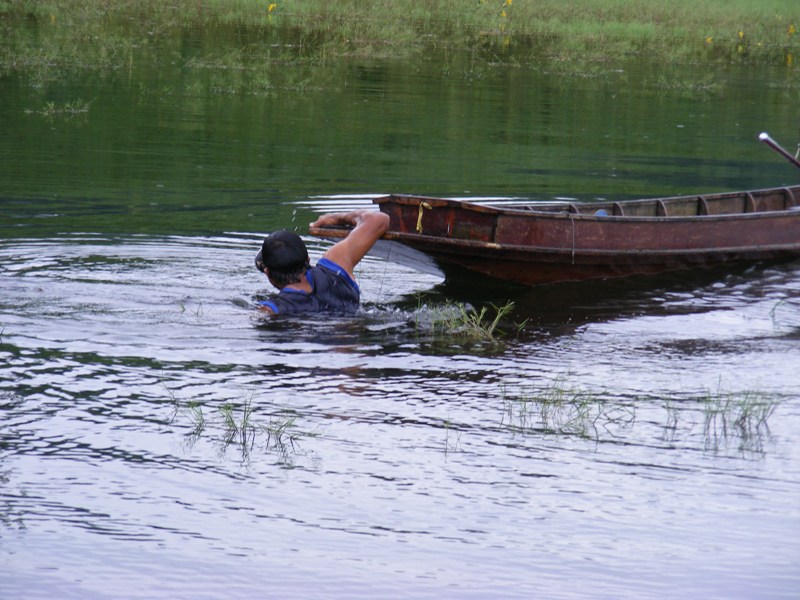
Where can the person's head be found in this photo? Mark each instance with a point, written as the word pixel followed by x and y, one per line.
pixel 283 257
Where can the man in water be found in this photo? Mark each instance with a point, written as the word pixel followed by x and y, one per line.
pixel 329 286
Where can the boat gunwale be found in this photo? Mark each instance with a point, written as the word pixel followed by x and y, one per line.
pixel 530 211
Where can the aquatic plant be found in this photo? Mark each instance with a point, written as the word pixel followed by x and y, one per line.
pixel 236 425
pixel 67 109
pixel 743 417
pixel 173 400
pixel 729 419
pixel 195 410
pixel 198 311
pixel 773 312
pixel 238 428
pixel 564 409
pixel 280 434
pixel 689 88
pixel 241 429
pixel 462 321
pixel 451 444
pixel 738 419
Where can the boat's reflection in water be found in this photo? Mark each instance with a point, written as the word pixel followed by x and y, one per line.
pixel 575 303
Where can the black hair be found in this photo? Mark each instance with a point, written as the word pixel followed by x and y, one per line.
pixel 285 255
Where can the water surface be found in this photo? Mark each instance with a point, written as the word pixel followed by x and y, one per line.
pixel 161 439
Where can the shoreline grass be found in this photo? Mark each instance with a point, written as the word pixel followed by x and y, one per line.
pixel 101 35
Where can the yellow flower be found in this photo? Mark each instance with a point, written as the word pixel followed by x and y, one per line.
pixel 709 39
pixel 508 3
pixel 792 29
pixel 741 35
pixel 503 14
pixel 272 7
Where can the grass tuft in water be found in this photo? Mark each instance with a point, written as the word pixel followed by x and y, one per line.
pixel 452 438
pixel 728 418
pixel 773 312
pixel 195 410
pixel 280 431
pixel 236 425
pixel 455 320
pixel 736 416
pixel 688 88
pixel 52 110
pixel 564 409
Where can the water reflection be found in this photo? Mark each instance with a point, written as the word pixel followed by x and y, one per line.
pixel 194 159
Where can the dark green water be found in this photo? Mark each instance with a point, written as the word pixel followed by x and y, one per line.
pixel 174 149
pixel 160 440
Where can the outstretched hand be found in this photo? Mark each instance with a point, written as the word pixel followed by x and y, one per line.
pixel 334 219
pixel 369 226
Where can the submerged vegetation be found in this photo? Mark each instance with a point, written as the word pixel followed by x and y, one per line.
pixel 51 110
pixel 254 34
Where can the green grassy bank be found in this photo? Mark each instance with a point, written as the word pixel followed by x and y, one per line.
pixel 104 33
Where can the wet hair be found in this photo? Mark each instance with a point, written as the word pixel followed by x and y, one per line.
pixel 285 255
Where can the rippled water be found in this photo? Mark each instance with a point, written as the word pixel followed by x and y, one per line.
pixel 160 439
pixel 411 463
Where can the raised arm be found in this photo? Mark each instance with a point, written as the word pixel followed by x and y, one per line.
pixel 368 227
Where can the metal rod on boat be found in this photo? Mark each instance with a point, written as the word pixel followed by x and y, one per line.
pixel 764 137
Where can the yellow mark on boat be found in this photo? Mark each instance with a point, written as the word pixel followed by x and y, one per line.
pixel 419 215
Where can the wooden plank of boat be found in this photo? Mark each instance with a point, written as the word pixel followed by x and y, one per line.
pixel 540 243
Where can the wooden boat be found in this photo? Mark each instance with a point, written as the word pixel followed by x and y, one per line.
pixel 539 243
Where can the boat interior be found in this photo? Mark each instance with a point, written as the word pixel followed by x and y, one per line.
pixel 778 199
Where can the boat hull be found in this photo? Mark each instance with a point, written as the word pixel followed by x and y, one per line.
pixel 527 266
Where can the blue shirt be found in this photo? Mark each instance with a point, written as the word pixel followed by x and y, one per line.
pixel 332 290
